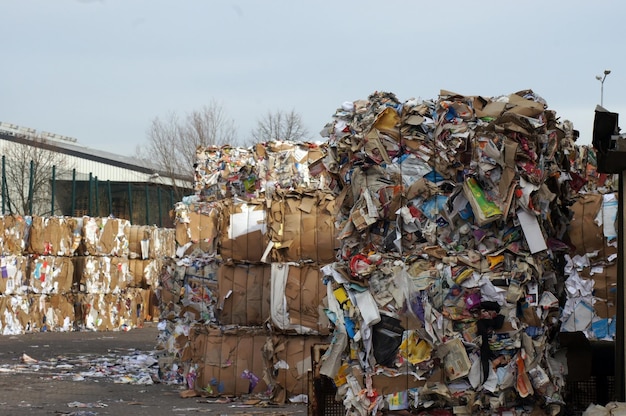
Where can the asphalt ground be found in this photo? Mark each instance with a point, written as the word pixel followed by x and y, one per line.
pixel 103 373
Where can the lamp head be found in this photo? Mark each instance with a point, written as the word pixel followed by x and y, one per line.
pixel 598 77
pixel 607 71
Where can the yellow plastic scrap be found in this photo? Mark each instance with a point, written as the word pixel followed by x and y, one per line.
pixel 415 350
pixel 342 297
pixel 494 261
pixel 464 275
pixel 340 377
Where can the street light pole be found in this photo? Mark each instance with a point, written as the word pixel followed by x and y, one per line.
pixel 601 79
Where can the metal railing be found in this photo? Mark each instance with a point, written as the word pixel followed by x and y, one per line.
pixel 140 202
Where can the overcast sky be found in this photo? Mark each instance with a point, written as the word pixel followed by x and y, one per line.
pixel 101 71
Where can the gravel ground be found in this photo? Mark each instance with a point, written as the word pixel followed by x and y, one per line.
pixel 101 373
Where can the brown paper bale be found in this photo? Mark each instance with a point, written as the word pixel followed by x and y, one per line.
pixel 222 359
pixel 50 274
pixel 96 274
pixel 105 236
pixel 13 274
pixel 302 227
pixel 57 236
pixel 13 230
pixel 242 231
pixel 244 294
pixel 304 297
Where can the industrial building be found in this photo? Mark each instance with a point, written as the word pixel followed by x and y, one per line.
pixel 50 174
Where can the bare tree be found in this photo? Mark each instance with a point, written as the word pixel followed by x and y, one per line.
pixel 26 191
pixel 280 126
pixel 172 142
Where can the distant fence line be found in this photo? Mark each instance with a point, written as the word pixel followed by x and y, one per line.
pixel 140 202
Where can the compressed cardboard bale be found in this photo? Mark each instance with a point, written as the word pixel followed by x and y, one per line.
pixel 133 308
pixel 229 363
pixel 151 242
pixel 13 274
pixel 52 312
pixel 162 243
pixel 13 234
pixel 151 305
pixel 56 236
pixel 298 299
pixel 139 241
pixel 14 314
pixel 290 355
pixel 105 236
pixel 584 233
pixel 110 312
pixel 145 273
pixel 243 234
pixel 98 274
pixel 50 274
pixel 224 172
pixel 301 227
pixel 95 311
pixel 244 294
pixel 198 230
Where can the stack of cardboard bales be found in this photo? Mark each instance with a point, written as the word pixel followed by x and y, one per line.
pixel 118 271
pixel 243 302
pixel 455 253
pixel 63 273
pixel 453 241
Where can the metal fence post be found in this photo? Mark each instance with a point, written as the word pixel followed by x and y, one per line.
pixel 159 201
pixel 53 189
pixel 4 184
pixel 130 202
pixel 73 192
pixel 147 206
pixel 96 191
pixel 89 211
pixel 110 197
pixel 30 188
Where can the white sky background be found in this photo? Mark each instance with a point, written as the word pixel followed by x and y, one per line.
pixel 101 71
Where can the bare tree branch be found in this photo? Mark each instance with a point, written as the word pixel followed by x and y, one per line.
pixel 280 126
pixel 172 142
pixel 18 176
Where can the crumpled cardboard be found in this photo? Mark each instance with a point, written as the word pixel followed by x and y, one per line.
pixel 467 256
pixel 197 229
pixel 584 233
